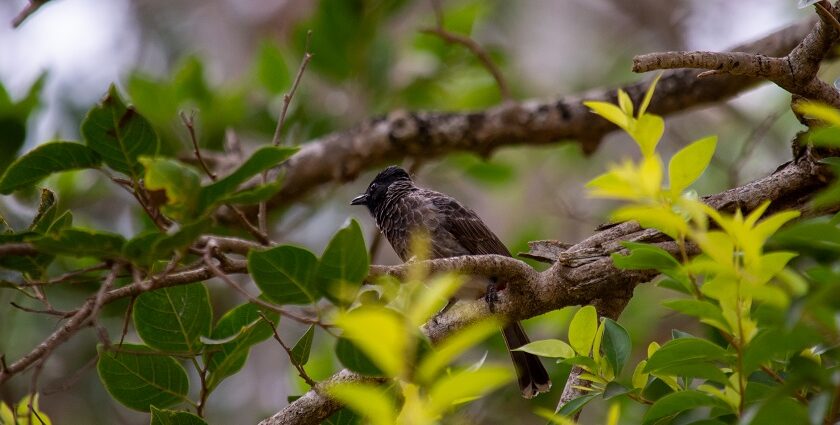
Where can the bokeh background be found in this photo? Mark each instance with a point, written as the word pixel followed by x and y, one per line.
pixel 231 60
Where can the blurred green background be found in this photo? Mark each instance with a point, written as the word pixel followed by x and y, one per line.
pixel 231 60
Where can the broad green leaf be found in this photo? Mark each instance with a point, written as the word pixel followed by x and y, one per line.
pixel 688 164
pixel 245 322
pixel 610 112
pixel 368 400
pixel 387 345
pixel 344 416
pixel 172 319
pixel 616 345
pixel 44 160
pixel 465 385
pixel 355 359
pixel 453 346
pixel 614 389
pixel 582 330
pixel 576 404
pixel 705 311
pixel 119 135
pixel 254 195
pixel 685 351
pixel 647 132
pixel 781 411
pixel 344 265
pixel 680 401
pixel 271 68
pixel 261 160
pixel 78 242
pixel 173 417
pixel 643 257
pixel 151 246
pixel 179 182
pixel 548 348
pixel 285 274
pixel 300 352
pixel 140 378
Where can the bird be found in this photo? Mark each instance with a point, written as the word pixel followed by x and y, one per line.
pixel 401 209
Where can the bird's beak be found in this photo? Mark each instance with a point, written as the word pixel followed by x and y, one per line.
pixel 360 200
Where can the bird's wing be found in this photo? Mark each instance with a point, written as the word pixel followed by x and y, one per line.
pixel 465 225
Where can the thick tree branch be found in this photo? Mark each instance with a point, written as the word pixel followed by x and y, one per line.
pixel 342 156
pixel 582 273
pixel 795 72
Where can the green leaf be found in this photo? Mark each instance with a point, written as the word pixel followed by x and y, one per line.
pixel 644 257
pixel 649 94
pixel 119 134
pixel 172 417
pixel 271 68
pixel 44 160
pixel 355 359
pixel 582 330
pixel 685 351
pixel 78 242
pixel 300 352
pixel 453 389
pixel 616 345
pixel 172 319
pixel 705 311
pixel 344 416
pixel 179 182
pixel 614 389
pixel 46 212
pixel 688 164
pixel 245 323
pixel 140 378
pixel 453 346
pixel 625 103
pixel 674 403
pixel 368 400
pixel 576 404
pixel 261 160
pixel 548 348
pixel 254 195
pixel 781 411
pixel 647 133
pixel 285 274
pixel 344 265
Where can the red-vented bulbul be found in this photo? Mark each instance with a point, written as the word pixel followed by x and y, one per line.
pixel 400 208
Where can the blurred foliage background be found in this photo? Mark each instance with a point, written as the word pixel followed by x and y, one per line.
pixel 231 60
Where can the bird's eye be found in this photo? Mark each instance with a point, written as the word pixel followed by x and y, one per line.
pixel 372 187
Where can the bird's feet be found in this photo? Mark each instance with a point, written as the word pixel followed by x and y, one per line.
pixel 491 296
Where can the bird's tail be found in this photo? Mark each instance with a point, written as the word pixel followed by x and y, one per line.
pixel 533 378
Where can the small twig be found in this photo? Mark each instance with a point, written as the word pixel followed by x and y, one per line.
pixel 127 320
pixel 101 332
pixel 189 123
pixel 262 213
pixel 49 311
pixel 158 219
pixel 472 46
pixel 204 392
pixel 301 371
pixel 826 15
pixel 73 379
pixel 66 276
pixel 27 11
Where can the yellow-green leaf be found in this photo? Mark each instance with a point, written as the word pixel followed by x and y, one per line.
pixel 433 297
pixel 649 95
pixel 625 103
pixel 647 132
pixel 466 385
pixel 582 330
pixel 610 112
pixel 369 401
pixel 380 333
pixel 688 164
pixel 819 111
pixel 452 347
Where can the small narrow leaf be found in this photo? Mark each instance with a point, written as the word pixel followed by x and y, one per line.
pixel 44 160
pixel 78 242
pixel 548 348
pixel 140 378
pixel 300 352
pixel 608 111
pixel 369 401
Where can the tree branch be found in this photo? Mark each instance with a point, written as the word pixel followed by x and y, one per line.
pixel 582 273
pixel 342 156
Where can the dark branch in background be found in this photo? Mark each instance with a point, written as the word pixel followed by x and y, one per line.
pixel 27 11
pixel 581 274
pixel 342 156
pixel 476 49
pixel 796 72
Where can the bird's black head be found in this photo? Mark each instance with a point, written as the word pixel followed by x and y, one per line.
pixel 378 189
